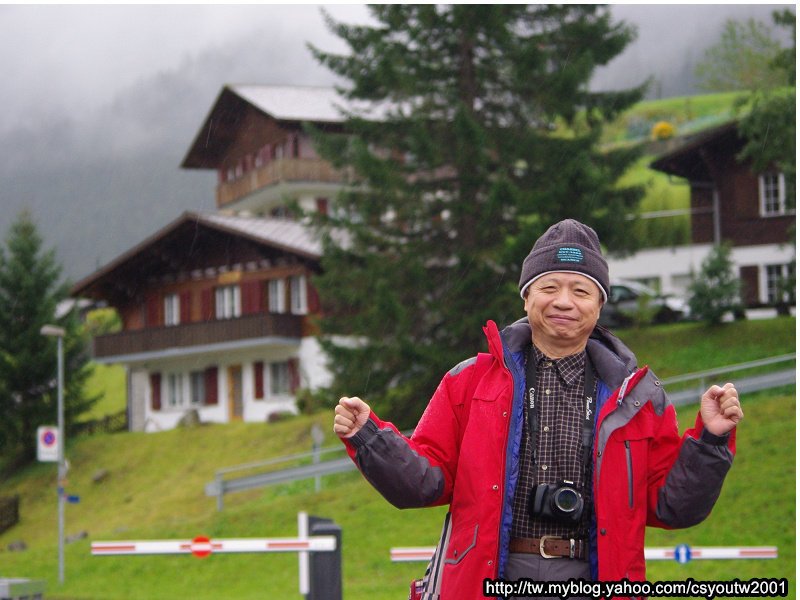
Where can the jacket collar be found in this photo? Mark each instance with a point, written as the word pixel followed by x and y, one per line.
pixel 612 359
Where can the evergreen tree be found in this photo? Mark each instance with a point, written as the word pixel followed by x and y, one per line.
pixel 30 290
pixel 478 132
pixel 716 290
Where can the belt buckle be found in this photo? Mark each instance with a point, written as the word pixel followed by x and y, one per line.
pixel 542 540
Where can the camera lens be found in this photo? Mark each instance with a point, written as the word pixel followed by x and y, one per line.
pixel 566 499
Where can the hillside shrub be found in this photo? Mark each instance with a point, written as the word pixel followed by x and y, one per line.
pixel 662 130
pixel 716 290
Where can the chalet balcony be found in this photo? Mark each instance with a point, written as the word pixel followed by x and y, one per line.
pixel 282 170
pixel 198 334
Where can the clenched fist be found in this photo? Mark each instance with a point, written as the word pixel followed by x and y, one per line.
pixel 720 409
pixel 349 416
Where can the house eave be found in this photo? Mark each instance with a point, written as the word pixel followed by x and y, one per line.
pixel 189 351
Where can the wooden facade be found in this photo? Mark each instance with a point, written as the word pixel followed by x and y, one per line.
pixel 725 194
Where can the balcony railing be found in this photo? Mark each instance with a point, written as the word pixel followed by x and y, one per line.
pixel 198 334
pixel 283 170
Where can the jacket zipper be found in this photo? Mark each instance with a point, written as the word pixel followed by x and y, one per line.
pixel 630 472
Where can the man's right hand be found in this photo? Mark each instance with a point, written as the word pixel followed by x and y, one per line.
pixel 349 417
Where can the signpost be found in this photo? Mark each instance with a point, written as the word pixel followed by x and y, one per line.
pixel 58 440
pixel 47 443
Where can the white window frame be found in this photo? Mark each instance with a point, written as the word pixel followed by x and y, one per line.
pixel 173 384
pixel 197 388
pixel 276 292
pixel 769 184
pixel 172 309
pixel 228 303
pixel 279 379
pixel 298 294
pixel 772 274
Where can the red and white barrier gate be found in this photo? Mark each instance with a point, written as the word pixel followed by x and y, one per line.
pixel 202 546
pixel 682 553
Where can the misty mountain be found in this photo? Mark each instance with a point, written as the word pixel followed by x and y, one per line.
pixel 99 181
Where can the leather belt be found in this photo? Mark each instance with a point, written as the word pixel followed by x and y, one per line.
pixel 549 546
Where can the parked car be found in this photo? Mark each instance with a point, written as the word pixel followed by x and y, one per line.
pixel 629 297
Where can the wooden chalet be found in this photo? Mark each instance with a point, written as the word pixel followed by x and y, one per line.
pixel 732 203
pixel 215 311
pixel 254 139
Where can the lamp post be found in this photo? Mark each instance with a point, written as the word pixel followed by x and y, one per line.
pixel 58 332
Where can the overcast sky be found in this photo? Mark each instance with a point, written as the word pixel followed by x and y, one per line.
pixel 101 102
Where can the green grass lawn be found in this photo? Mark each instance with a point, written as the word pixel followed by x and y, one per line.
pixel 155 490
pixel 107 382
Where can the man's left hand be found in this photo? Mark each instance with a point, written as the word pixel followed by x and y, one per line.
pixel 720 409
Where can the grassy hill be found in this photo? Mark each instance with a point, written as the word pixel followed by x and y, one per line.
pixel 154 490
pixel 686 115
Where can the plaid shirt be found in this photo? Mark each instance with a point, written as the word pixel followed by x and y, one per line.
pixel 559 445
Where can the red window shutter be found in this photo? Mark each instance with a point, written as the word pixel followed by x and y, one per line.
pixel 186 306
pixel 155 391
pixel 258 373
pixel 212 396
pixel 252 297
pixel 152 302
pixel 312 297
pixel 294 375
pixel 207 304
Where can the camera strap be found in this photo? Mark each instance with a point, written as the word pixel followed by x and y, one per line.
pixel 532 405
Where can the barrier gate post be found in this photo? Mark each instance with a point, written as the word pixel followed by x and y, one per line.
pixel 325 568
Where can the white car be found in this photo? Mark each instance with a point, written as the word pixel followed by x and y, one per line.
pixel 624 301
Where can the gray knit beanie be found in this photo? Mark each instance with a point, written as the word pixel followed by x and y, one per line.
pixel 570 247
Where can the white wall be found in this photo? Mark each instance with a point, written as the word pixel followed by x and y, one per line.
pixel 673 266
pixel 311 364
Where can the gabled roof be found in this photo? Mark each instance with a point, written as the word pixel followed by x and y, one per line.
pixel 293 103
pixel 191 232
pixel 289 105
pixel 291 236
pixel 285 104
pixel 689 159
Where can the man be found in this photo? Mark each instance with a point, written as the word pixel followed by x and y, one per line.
pixel 553 450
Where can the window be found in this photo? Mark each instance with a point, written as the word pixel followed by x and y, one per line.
pixel 228 302
pixel 197 387
pixel 279 378
pixel 277 296
pixel 174 391
pixel 172 309
pixel 299 295
pixel 776 276
pixel 772 194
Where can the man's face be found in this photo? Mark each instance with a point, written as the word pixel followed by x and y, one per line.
pixel 563 309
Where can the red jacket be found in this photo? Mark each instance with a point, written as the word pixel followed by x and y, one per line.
pixel 465 449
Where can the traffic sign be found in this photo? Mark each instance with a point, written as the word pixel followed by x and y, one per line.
pixel 683 553
pixel 47 443
pixel 201 546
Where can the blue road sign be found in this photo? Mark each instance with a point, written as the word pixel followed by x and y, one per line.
pixel 683 554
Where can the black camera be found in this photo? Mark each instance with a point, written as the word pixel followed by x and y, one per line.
pixel 556 502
